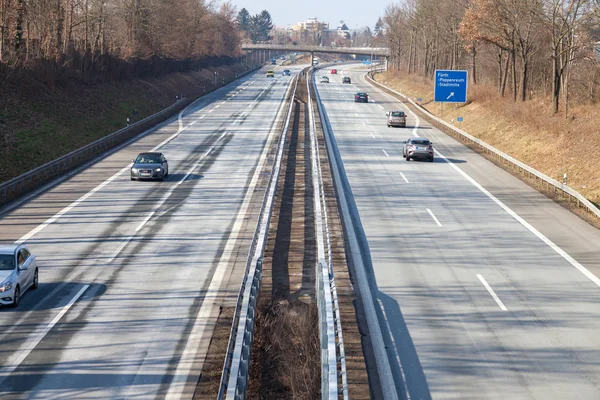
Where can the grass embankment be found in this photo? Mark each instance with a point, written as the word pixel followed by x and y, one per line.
pixel 38 124
pixel 528 131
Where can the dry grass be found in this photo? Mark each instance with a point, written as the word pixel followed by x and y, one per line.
pixel 527 131
pixel 287 340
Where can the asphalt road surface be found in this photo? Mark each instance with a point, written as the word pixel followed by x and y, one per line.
pixel 487 289
pixel 130 271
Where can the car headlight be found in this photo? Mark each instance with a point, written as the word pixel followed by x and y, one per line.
pixel 158 169
pixel 6 286
pixel 134 170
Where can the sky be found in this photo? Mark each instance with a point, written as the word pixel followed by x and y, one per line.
pixel 355 13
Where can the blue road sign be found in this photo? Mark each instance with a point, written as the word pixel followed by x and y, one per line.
pixel 450 86
pixel 459 119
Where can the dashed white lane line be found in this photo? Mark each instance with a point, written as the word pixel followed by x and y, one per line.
pixel 364 124
pixel 437 221
pixel 380 106
pixel 357 115
pixel 385 152
pixel 588 274
pixel 217 106
pixel 491 291
pixel 193 123
pixel 373 136
pixel 404 177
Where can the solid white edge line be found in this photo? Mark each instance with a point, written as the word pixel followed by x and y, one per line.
pixel 187 358
pixel 437 221
pixel 17 358
pixel 404 177
pixel 588 274
pixel 385 152
pixel 491 291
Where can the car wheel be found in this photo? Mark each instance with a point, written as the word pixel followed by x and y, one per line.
pixel 36 281
pixel 132 178
pixel 407 158
pixel 17 297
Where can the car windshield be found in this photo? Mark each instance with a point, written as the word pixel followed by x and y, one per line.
pixel 397 113
pixel 420 141
pixel 148 159
pixel 7 262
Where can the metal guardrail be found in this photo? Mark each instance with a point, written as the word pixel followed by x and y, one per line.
pixel 234 378
pixel 329 330
pixel 344 193
pixel 501 156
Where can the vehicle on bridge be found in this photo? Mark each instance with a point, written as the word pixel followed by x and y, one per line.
pixel 151 166
pixel 415 148
pixel 324 79
pixel 270 74
pixel 396 118
pixel 346 80
pixel 334 71
pixel 274 61
pixel 361 97
pixel 18 273
pixel 286 72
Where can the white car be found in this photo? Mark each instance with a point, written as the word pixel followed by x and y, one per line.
pixel 324 79
pixel 18 273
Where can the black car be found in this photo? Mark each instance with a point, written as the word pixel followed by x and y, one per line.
pixel 361 97
pixel 346 80
pixel 151 166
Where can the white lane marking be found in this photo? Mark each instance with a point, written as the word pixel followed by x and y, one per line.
pixel 140 226
pixel 437 221
pixel 373 136
pixel 385 152
pixel 588 274
pixel 193 123
pixel 494 295
pixel 68 208
pixel 19 356
pixel 187 358
pixel 372 101
pixel 403 177
pixel 364 124
pixel 209 111
pixel 217 106
pixel 170 192
pixel 222 103
pixel 526 224
pixel 357 115
pixel 380 106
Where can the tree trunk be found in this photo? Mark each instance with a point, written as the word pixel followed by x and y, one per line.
pixel 524 78
pixel 556 81
pixel 505 77
pixel 513 66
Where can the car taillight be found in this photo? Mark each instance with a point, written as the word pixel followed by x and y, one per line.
pixel 430 148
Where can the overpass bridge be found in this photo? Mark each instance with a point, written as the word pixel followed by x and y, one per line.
pixel 368 51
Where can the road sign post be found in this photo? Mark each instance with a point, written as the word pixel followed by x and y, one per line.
pixel 450 86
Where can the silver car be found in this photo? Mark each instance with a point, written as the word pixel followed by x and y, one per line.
pixel 396 118
pixel 415 148
pixel 18 273
pixel 150 166
pixel 324 79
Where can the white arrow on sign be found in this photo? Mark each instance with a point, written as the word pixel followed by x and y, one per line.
pixel 451 94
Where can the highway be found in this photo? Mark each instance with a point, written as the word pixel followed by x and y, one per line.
pixel 132 273
pixel 487 289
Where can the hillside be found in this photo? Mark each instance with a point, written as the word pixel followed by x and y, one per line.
pixel 528 131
